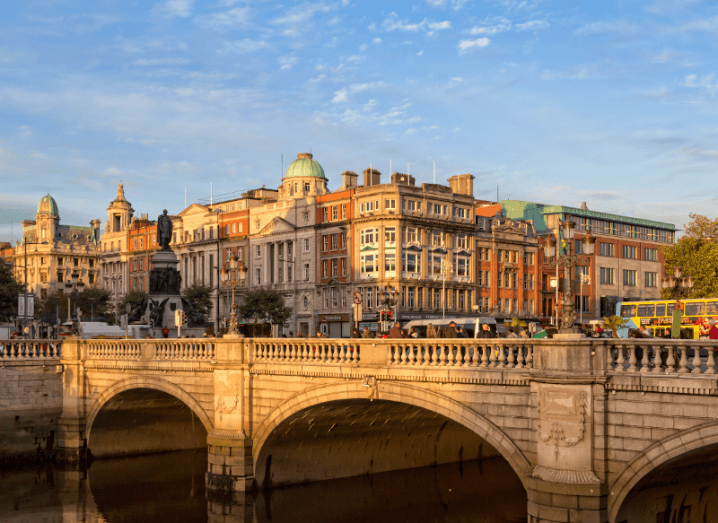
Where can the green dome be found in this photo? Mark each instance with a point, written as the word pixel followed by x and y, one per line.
pixel 47 205
pixel 304 165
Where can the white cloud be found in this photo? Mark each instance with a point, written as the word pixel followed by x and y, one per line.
pixel 441 4
pixel 174 8
pixel 298 19
pixel 467 45
pixel 237 17
pixel 343 94
pixel 340 96
pixel 392 23
pixel 376 40
pixel 706 82
pixel 363 47
pixel 420 53
pixel 500 26
pixel 576 73
pixel 533 25
pixel 287 62
pixel 244 46
pixel 440 25
pixel 161 61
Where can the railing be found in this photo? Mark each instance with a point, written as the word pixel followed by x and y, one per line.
pixel 332 351
pixel 30 349
pixel 661 356
pixel 169 349
pixel 503 353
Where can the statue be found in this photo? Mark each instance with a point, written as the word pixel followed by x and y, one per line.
pixel 164 230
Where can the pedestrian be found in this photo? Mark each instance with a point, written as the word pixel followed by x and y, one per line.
pixel 460 333
pixel 291 334
pixel 430 331
pixel 413 333
pixel 356 333
pixel 523 334
pixel 646 333
pixel 165 332
pixel 395 331
pixel 486 331
pixel 676 320
pixel 300 334
pixel 319 334
pixel 704 328
pixel 713 333
pixel 450 330
pixel 365 333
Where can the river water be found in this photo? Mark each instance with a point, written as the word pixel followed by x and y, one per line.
pixel 169 488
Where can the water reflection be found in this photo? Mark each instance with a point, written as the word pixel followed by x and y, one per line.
pixel 169 487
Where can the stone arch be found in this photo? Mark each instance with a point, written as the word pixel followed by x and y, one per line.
pixel 656 455
pixel 147 383
pixel 400 393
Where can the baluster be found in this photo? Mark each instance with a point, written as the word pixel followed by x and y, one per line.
pixel 510 360
pixel 520 357
pixel 431 354
pixel 645 365
pixel 711 361
pixel 492 356
pixel 610 364
pixel 353 352
pixel 670 361
pixel 683 363
pixel 632 359
pixel 484 356
pixel 696 361
pixel 620 361
pixel 402 354
pixel 502 356
pixel 657 360
pixel 440 358
pixel 474 361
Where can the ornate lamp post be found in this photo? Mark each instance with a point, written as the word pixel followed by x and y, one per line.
pixel 568 261
pixel 391 298
pixel 233 277
pixel 678 281
pixel 74 284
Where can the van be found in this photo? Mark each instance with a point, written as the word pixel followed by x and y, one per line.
pixel 470 325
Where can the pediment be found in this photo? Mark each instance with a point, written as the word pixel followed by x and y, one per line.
pixel 509 229
pixel 195 208
pixel 277 226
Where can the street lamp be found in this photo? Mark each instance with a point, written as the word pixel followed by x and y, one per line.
pixel 74 284
pixel 568 261
pixel 233 277
pixel 677 280
pixel 391 296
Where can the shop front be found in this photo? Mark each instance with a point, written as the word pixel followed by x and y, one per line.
pixel 334 325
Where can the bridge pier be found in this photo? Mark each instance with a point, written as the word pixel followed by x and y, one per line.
pixel 230 466
pixel 561 503
pixel 72 425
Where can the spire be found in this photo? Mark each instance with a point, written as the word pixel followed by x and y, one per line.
pixel 120 194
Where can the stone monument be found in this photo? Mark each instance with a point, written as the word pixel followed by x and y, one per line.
pixel 165 283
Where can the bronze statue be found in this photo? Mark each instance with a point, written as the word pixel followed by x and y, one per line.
pixel 164 230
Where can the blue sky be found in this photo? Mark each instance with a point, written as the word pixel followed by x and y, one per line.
pixel 612 103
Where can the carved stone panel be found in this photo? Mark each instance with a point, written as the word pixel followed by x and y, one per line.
pixel 565 433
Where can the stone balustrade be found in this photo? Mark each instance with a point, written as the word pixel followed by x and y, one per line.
pixel 661 356
pixel 17 350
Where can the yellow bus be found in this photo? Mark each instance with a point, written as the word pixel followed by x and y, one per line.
pixel 657 316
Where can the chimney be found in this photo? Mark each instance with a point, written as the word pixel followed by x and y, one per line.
pixel 371 177
pixel 462 184
pixel 349 179
pixel 584 207
pixel 403 179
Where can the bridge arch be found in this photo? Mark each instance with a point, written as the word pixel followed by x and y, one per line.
pixel 146 382
pixel 656 455
pixel 399 393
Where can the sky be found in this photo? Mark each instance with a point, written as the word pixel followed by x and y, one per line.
pixel 611 102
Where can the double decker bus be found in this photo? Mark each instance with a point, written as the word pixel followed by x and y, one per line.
pixel 657 316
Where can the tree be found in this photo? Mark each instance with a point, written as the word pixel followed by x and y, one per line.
pixel 696 253
pixel 200 297
pixel 265 306
pixel 93 301
pixel 52 305
pixel 615 323
pixel 10 289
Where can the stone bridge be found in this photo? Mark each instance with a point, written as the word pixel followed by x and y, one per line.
pixel 581 421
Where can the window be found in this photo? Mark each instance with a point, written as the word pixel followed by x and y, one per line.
pixel 361 207
pixel 462 300
pixel 306 244
pixel 306 272
pixel 325 268
pixel 390 205
pixel 325 298
pixel 528 281
pixel 646 310
pixel 582 303
pixel 650 254
pixel 259 251
pixel 325 243
pixel 695 309
pixel 629 277
pixel 410 205
pixel 306 187
pixel 240 227
pixel 234 227
pixel 370 298
pixel 334 242
pixel 462 266
pixel 368 263
pixel 335 297
pixel 460 213
pixel 437 208
pixel 60 276
pixel 335 267
pixel 390 234
pixel 390 262
pixel 259 276
pixel 411 262
pixel 142 264
pixel 412 235
pixel 343 237
pixel 605 249
pixel 630 251
pixel 76 262
pixel 344 266
pixel 256 224
pixel 344 211
pixel 651 279
pixel 369 236
pixel 437 298
pixel 484 253
pixel 462 241
pixel 607 276
pixel 325 214
pixel 436 239
pixel 410 297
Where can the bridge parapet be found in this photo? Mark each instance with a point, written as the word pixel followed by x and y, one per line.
pixel 17 350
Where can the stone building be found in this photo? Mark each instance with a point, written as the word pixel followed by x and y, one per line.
pixel 114 246
pixel 52 252
pixel 282 242
pixel 415 247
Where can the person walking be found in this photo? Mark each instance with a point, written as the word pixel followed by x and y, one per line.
pixel 395 331
pixel 430 331
pixel 460 333
pixel 365 333
pixel 165 332
pixel 450 330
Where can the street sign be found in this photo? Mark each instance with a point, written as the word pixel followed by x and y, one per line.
pixel 30 305
pixel 357 297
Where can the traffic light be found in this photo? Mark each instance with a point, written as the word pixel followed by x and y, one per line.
pixel 381 315
pixel 180 318
pixel 389 315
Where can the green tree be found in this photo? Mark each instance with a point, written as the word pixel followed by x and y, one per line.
pixel 94 300
pixel 265 306
pixel 199 297
pixel 134 299
pixel 696 253
pixel 615 323
pixel 9 291
pixel 48 308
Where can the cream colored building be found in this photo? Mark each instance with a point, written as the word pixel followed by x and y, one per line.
pixel 114 246
pixel 52 252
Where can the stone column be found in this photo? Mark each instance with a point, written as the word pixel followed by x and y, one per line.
pixel 230 463
pixel 71 426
